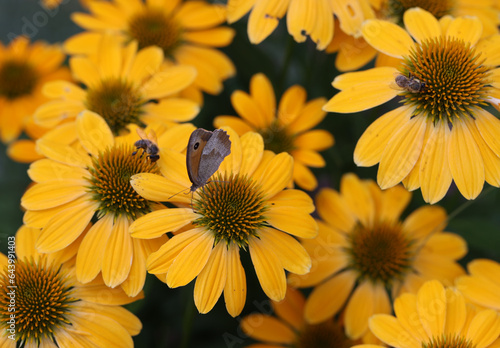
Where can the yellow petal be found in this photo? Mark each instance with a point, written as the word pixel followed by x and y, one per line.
pixel 172 109
pixel 489 49
pixel 401 152
pixel 314 19
pixel 425 221
pixel 480 290
pixel 237 9
pixel 232 163
pixel 316 139
pixel 435 174
pixel 200 15
pixel 292 220
pixel 53 193
pixel 291 308
pixel 191 260
pixel 267 328
pixel 85 70
pixel 211 280
pixel 293 198
pixel 317 309
pixel 23 151
pixel 387 37
pixel 252 146
pixel 161 260
pixel 351 79
pixel 357 197
pixel 309 158
pixel 446 244
pixel 431 307
pixel 404 307
pixel 168 81
pixel 264 19
pixel 235 290
pixel 388 329
pixel 91 251
pixel 94 133
pixel 456 311
pixel 489 127
pixel 373 142
pixel 275 175
pixel 159 222
pixel 311 115
pixel 63 89
pixel 421 24
pixel 47 170
pixel 484 328
pixel 109 57
pixel 53 112
pixel 262 93
pixel 157 188
pixel 468 29
pixel 146 63
pixel 214 37
pixel 65 227
pixel 304 177
pixel 236 123
pixel 268 268
pixel 466 163
pixel 118 254
pixel 249 109
pixel 290 252
pixel 394 201
pixel 291 103
pixel 332 209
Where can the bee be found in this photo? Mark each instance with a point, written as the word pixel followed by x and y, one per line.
pixel 148 144
pixel 410 83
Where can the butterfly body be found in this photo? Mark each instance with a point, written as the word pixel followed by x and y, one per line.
pixel 205 152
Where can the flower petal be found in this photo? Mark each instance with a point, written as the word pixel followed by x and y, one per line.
pixel 489 127
pixel 484 328
pixel 456 311
pixel 268 268
pixel 425 221
pixel 53 193
pixel 211 280
pixel 466 163
pixel 252 146
pixel 293 221
pixel 357 197
pixel 431 307
pixel 422 25
pixel 291 103
pixel 249 109
pixel 267 328
pixel 262 93
pixel 377 33
pixel 401 153
pixel 388 329
pixel 159 222
pixel 118 254
pixel 264 19
pixel 235 290
pixel 468 29
pixel 168 81
pixel 332 209
pixel 94 133
pixel 275 175
pixel 157 188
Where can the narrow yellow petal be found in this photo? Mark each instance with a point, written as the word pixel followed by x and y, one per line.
pixel 157 188
pixel 235 290
pixel 435 173
pixel 421 24
pixel 262 93
pixel 275 175
pixel 214 37
pixel 266 328
pixel 387 37
pixel 53 193
pixel 431 307
pixel 85 70
pixel 480 291
pixel 47 170
pixel 484 328
pixel 332 209
pixel 401 153
pixel 359 309
pixel 446 244
pixel 200 15
pixel 161 221
pixel 94 133
pixel 489 127
pixel 63 89
pixel 249 110
pixel 211 280
pixel 290 252
pixel 118 254
pixel 394 201
pixel 239 125
pixel 469 29
pixel 316 139
pixel 264 19
pixel 293 221
pixel 291 103
pixel 291 309
pixel 191 260
pixel 347 80
pixel 456 311
pixel 466 163
pixel 309 158
pixel 269 270
pixel 252 146
pixel 304 177
pixel 404 307
pixel 168 81
pixel 310 116
pixel 91 251
pixel 358 198
pixel 237 9
pixel 373 142
pixel 317 309
pixel 53 112
pixel 425 221
pixel 293 198
pixel 173 109
pixel 23 151
pixel 388 329
pixel 146 63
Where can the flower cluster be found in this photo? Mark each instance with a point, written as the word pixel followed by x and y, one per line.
pixel 124 188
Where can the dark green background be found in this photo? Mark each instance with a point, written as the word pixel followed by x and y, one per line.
pixel 168 315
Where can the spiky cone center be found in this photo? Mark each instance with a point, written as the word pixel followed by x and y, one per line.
pixel 395 9
pixel 455 81
pixel 118 102
pixel 277 138
pixel 449 341
pixel 17 79
pixel 382 253
pixel 40 294
pixel 152 27
pixel 232 207
pixel 325 334
pixel 110 181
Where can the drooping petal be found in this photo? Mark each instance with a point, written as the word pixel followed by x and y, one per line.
pixel 262 93
pixel 292 220
pixel 456 311
pixel 425 220
pixel 118 254
pixel 388 329
pixel 275 175
pixel 484 328
pixel 94 133
pixel 431 307
pixel 267 328
pixel 161 221
pixel 387 37
pixel 235 290
pixel 332 209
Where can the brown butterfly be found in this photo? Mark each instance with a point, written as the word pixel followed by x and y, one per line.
pixel 205 152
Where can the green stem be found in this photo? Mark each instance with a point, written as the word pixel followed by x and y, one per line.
pixel 188 319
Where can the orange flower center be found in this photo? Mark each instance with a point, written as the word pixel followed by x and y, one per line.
pixel 455 81
pixel 395 9
pixel 277 139
pixel 17 79
pixel 41 297
pixel 155 28
pixel 382 253
pixel 231 207
pixel 324 335
pixel 117 102
pixel 110 181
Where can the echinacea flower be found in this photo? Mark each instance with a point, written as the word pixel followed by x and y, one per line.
pixel 124 85
pixel 188 33
pixel 24 69
pixel 91 180
pixel 364 250
pixel 42 304
pixel 289 328
pixel 309 18
pixel 435 317
pixel 286 128
pixel 443 132
pixel 244 207
pixel 482 285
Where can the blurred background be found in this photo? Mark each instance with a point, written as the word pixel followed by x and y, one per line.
pixel 169 316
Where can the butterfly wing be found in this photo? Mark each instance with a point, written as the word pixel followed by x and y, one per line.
pixel 214 152
pixel 196 144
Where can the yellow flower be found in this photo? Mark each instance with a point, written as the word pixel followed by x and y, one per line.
pixel 24 68
pixel 482 285
pixel 284 129
pixel 52 308
pixel 91 179
pixel 353 52
pixel 124 86
pixel 435 317
pixel 443 131
pixel 364 249
pixel 244 207
pixel 187 31
pixel 305 18
pixel 290 329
